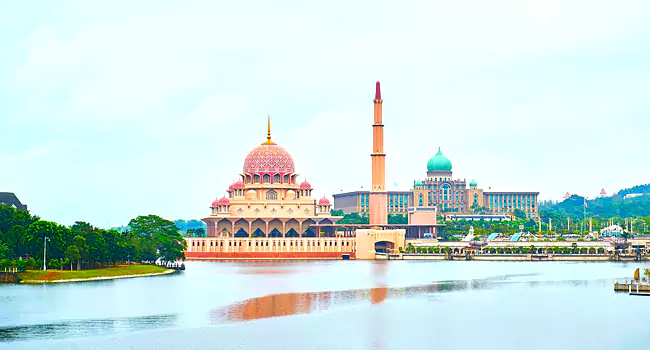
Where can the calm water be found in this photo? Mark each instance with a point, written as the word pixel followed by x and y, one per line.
pixel 336 305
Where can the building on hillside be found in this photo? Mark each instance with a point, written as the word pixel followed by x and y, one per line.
pixel 11 200
pixel 602 193
pixel 358 202
pixel 632 195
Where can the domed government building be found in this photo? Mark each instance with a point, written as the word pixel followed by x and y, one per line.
pixel 452 197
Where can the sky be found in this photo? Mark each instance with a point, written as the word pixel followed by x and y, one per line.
pixel 114 109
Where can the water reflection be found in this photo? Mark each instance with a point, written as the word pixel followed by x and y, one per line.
pixel 286 304
pixel 86 327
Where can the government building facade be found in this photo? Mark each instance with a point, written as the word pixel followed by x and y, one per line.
pixel 450 196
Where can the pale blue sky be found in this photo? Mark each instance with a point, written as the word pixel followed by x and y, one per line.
pixel 113 109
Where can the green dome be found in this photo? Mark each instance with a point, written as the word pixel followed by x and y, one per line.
pixel 418 183
pixel 439 163
pixel 472 183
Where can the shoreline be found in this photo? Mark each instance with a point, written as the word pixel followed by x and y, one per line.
pixel 100 278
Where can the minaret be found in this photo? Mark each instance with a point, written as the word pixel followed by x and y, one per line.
pixel 378 196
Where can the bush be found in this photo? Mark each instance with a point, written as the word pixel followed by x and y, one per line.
pixel 31 263
pixel 21 265
pixel 54 263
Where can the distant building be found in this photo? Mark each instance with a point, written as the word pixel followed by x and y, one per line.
pixel 448 195
pixel 358 202
pixel 11 200
pixel 602 193
pixel 632 195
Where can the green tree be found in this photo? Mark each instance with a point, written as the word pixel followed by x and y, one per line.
pixel 161 235
pixel 31 263
pixel 72 254
pixel 82 248
pixel 21 265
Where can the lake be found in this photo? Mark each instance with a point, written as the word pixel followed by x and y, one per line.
pixel 336 305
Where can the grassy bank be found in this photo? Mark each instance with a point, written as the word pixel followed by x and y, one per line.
pixel 50 276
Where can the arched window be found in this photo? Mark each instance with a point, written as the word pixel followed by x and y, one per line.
pixel 267 178
pixel 272 195
pixel 257 179
pixel 286 178
pixel 420 199
pixel 276 178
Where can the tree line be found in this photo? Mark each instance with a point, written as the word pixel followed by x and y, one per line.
pixel 145 239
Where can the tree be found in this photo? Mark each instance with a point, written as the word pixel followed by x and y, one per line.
pixel 398 219
pixel 336 212
pixel 4 250
pixel 72 254
pixel 31 263
pixel 161 237
pixel 196 232
pixel 82 248
pixel 21 265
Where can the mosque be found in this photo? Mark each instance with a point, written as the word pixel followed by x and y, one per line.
pixel 269 214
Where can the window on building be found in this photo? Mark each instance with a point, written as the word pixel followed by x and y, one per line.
pixel 276 178
pixel 256 178
pixel 267 178
pixel 271 195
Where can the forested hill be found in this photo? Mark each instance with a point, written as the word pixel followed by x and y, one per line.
pixel 183 225
pixel 606 207
pixel 643 189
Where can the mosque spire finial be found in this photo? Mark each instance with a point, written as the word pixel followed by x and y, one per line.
pixel 268 133
pixel 377 92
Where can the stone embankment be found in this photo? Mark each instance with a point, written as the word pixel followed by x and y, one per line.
pixel 501 257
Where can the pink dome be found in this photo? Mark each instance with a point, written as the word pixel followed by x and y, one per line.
pixel 239 185
pixel 215 203
pixel 324 201
pixel 305 185
pixel 224 201
pixel 268 158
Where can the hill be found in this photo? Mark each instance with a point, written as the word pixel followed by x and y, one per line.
pixel 605 207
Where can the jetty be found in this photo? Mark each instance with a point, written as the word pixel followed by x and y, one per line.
pixel 636 286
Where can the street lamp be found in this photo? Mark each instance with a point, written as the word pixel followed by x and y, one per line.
pixel 44 253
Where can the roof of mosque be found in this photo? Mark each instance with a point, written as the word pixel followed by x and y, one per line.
pixel 268 158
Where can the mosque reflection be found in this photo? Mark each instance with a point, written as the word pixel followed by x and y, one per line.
pixel 286 304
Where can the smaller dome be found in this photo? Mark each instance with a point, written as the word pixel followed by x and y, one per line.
pixel 251 195
pixel 324 201
pixel 418 183
pixel 239 185
pixel 215 203
pixel 224 201
pixel 472 183
pixel 305 185
pixel 291 194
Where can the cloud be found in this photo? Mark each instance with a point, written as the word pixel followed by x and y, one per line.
pixel 119 109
